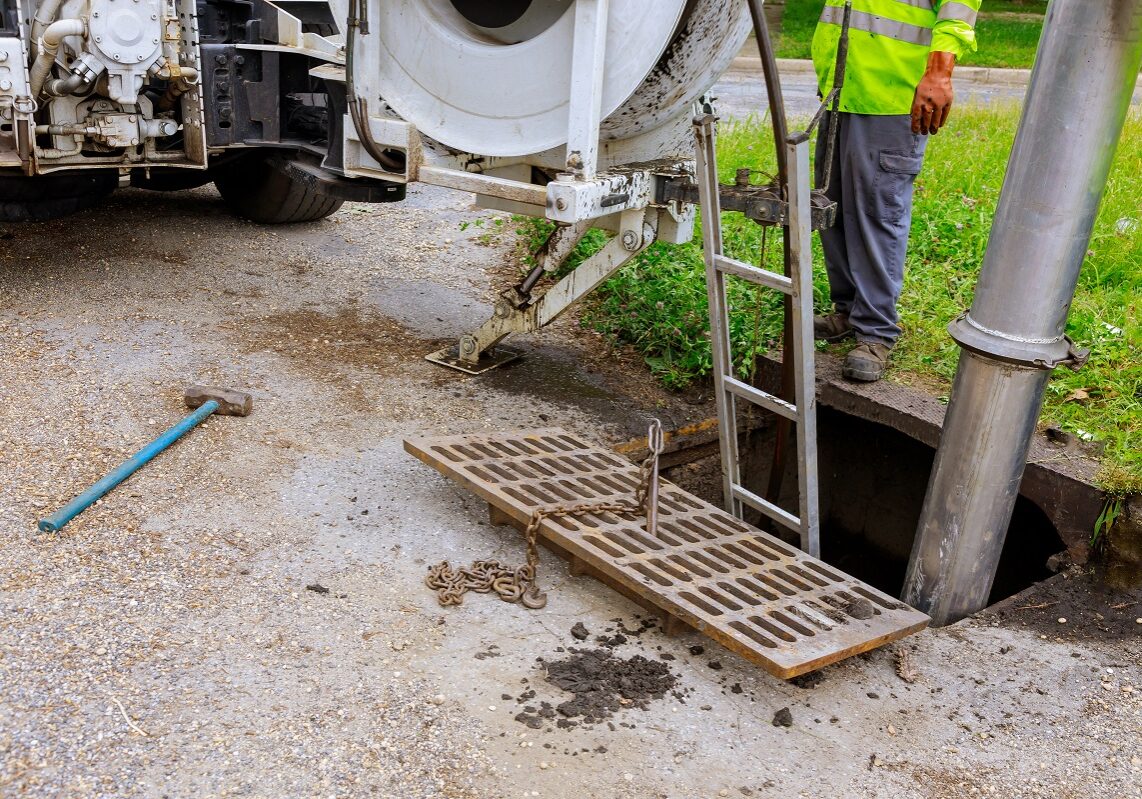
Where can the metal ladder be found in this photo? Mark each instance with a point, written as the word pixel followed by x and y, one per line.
pixel 799 286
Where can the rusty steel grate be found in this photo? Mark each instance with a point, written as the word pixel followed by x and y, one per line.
pixel 756 595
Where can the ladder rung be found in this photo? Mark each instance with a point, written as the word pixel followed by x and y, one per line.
pixel 778 515
pixel 753 274
pixel 762 398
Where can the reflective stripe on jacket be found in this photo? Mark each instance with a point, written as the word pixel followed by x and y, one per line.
pixel 889 42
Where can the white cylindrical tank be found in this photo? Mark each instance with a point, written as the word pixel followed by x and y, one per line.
pixel 493 77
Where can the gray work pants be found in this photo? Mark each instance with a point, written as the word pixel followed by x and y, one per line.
pixel 875 165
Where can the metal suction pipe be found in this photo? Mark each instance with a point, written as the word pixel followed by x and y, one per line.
pixel 1080 90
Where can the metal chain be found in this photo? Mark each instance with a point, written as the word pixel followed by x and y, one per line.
pixel 519 584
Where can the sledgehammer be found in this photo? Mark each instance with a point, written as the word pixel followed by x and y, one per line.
pixel 205 400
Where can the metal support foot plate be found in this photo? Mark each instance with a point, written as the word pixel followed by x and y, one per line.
pixel 450 357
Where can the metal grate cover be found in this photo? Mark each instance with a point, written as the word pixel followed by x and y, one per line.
pixel 751 592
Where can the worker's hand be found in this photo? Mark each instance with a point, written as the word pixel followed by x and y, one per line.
pixel 933 101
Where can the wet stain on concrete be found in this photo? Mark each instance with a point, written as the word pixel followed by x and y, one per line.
pixel 542 377
pixel 334 348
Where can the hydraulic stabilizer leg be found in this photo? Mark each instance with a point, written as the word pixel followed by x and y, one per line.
pixel 514 312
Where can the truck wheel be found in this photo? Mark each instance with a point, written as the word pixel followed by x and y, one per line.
pixel 170 179
pixel 257 189
pixel 38 198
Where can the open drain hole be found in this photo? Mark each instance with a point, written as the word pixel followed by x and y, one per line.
pixel 873 480
pixel 875 556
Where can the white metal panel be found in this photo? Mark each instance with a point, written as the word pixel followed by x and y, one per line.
pixel 478 95
pixel 712 34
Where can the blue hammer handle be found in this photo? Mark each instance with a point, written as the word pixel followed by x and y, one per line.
pixel 124 470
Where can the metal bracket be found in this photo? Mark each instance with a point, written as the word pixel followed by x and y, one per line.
pixel 763 204
pixel 1032 353
pixel 1076 356
pixel 477 351
pixel 569 200
pixel 587 65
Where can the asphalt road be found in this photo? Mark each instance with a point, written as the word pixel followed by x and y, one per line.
pixel 741 91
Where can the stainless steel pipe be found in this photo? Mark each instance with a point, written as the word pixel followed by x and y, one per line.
pixel 1085 69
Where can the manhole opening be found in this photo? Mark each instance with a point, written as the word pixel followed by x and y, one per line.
pixel 873 481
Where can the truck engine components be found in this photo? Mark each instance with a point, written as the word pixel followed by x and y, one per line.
pixel 98 92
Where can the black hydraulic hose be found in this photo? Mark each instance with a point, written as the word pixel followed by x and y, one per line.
pixel 783 427
pixel 358 109
pixel 772 85
pixel 838 85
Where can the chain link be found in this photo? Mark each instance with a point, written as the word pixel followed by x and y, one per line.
pixel 519 584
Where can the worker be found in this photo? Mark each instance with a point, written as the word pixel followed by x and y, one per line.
pixel 897 90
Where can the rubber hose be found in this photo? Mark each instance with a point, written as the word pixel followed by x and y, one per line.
pixel 45 16
pixel 49 46
pixel 61 87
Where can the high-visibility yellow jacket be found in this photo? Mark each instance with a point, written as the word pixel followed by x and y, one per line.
pixel 889 42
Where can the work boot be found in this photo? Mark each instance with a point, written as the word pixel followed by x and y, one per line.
pixel 831 327
pixel 866 362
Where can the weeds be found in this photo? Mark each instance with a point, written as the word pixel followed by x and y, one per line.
pixel 1110 513
pixel 491 228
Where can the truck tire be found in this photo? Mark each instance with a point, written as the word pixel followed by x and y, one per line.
pixel 39 198
pixel 170 179
pixel 257 189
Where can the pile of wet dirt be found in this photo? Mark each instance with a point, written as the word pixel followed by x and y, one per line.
pixel 600 683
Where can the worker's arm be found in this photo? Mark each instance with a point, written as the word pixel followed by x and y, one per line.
pixel 952 36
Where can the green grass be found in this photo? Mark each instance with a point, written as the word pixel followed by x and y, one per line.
pixel 797 26
pixel 1004 42
pixel 1007 32
pixel 658 304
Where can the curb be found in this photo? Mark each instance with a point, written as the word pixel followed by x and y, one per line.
pixel 992 75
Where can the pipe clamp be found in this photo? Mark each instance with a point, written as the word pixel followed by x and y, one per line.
pixel 1035 353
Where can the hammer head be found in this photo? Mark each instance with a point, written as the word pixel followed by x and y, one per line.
pixel 230 403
